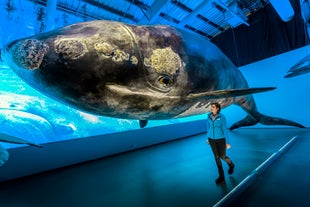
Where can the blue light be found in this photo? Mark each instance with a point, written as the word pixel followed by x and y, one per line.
pixel 284 9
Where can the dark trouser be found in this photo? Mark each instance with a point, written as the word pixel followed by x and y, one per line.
pixel 218 147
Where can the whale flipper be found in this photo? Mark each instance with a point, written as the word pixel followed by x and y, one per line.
pixel 227 93
pixel 300 71
pixel 143 123
pixel 257 117
pixel 16 140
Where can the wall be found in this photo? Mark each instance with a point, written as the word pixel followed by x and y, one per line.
pixel 291 99
pixel 29 160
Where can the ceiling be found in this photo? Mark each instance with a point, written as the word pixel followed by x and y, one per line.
pixel 206 18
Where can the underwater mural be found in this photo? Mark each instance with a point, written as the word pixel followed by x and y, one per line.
pixel 39 119
pixel 4 155
pixel 125 71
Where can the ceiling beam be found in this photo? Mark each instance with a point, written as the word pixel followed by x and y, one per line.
pixel 239 18
pixel 139 4
pixel 181 5
pixel 197 31
pixel 194 13
pixel 208 21
pixel 66 8
pixel 50 14
pixel 153 12
pixel 111 9
pixel 169 18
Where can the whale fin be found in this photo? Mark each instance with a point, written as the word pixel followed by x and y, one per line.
pixel 229 93
pixel 257 117
pixel 247 121
pixel 302 61
pixel 142 123
pixel 301 67
pixel 16 140
pixel 299 71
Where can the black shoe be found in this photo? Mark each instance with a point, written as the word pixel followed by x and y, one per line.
pixel 220 179
pixel 231 169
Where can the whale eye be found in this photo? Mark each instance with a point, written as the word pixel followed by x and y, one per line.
pixel 165 81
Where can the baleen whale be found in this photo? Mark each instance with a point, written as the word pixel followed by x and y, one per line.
pixel 134 72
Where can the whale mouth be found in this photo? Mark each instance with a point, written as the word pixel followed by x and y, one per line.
pixel 126 91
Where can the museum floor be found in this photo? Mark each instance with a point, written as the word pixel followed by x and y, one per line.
pixel 180 173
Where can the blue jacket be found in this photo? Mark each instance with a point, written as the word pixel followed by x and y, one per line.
pixel 216 129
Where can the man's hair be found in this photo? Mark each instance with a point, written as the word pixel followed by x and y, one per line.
pixel 217 105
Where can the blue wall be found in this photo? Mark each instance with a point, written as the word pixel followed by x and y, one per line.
pixel 291 99
pixel 28 160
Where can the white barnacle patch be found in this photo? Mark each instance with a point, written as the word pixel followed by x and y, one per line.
pixel 107 51
pixel 104 49
pixel 71 48
pixel 164 61
pixel 134 60
pixel 29 53
pixel 119 56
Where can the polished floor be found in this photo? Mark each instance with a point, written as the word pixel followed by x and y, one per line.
pixel 180 173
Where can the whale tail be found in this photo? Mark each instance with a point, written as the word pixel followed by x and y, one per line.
pixel 247 103
pixel 254 118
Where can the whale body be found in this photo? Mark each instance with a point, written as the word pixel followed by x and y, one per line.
pixel 134 72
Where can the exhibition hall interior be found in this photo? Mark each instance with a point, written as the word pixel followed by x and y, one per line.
pixel 154 103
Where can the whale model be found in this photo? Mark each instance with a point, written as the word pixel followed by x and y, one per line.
pixel 134 72
pixel 300 68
